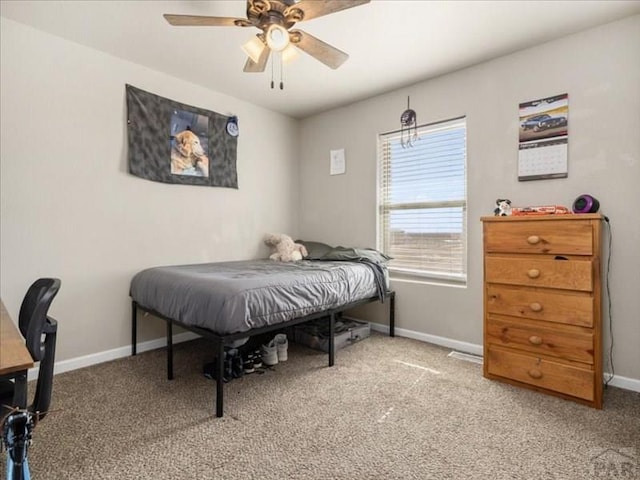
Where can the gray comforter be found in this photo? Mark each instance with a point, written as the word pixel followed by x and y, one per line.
pixel 232 297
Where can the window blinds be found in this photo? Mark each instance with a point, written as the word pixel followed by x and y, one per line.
pixel 422 201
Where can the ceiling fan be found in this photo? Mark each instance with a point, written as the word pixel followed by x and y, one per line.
pixel 275 18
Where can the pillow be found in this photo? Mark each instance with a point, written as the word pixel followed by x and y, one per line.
pixel 356 254
pixel 316 250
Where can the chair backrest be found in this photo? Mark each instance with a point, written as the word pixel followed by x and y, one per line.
pixel 44 387
pixel 34 323
pixel 33 314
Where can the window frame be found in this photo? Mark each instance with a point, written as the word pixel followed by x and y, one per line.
pixel 384 207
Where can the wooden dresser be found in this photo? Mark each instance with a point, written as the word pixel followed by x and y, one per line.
pixel 542 304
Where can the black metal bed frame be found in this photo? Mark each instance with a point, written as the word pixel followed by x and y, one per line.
pixel 220 340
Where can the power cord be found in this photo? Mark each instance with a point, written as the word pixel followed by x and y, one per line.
pixel 608 288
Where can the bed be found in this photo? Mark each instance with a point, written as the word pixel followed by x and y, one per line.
pixel 229 301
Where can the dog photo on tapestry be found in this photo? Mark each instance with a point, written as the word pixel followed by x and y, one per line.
pixel 172 142
pixel 189 144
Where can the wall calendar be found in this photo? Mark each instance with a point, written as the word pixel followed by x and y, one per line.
pixel 543 147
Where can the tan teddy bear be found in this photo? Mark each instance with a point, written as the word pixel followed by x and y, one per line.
pixel 285 248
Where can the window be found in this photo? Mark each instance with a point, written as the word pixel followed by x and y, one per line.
pixel 422 202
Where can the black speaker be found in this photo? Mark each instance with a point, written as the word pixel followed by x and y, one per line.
pixel 586 204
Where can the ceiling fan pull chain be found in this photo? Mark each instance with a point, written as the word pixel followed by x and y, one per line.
pixel 272 60
pixel 281 62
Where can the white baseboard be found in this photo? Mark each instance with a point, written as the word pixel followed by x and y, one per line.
pixel 626 383
pixel 106 356
pixel 424 337
pixel 475 349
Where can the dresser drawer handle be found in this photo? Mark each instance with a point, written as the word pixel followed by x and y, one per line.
pixel 533 273
pixel 535 307
pixel 535 340
pixel 533 239
pixel 535 373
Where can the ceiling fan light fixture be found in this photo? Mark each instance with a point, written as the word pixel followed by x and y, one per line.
pixel 274 19
pixel 253 48
pixel 277 37
pixel 289 54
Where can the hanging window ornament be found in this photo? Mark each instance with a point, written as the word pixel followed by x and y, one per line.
pixel 408 119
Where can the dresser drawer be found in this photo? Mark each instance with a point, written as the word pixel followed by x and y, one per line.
pixel 568 237
pixel 543 373
pixel 571 308
pixel 569 343
pixel 540 272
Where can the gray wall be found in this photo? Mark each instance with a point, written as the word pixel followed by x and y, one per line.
pixel 599 69
pixel 70 209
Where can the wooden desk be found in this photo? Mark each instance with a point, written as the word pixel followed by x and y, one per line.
pixel 15 359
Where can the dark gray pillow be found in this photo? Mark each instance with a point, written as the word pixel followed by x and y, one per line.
pixel 356 255
pixel 316 250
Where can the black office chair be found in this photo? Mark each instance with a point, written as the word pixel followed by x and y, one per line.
pixel 34 323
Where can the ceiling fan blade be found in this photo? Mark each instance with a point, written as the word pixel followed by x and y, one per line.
pixel 315 8
pixel 259 66
pixel 203 21
pixel 330 56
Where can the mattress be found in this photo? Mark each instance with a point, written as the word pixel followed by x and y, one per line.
pixel 234 297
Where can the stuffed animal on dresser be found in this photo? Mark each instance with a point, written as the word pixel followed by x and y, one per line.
pixel 503 207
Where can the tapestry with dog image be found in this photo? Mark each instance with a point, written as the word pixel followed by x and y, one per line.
pixel 171 142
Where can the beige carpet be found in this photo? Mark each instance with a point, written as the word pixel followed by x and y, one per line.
pixel 391 408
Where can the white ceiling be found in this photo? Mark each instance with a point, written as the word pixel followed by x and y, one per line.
pixel 391 43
